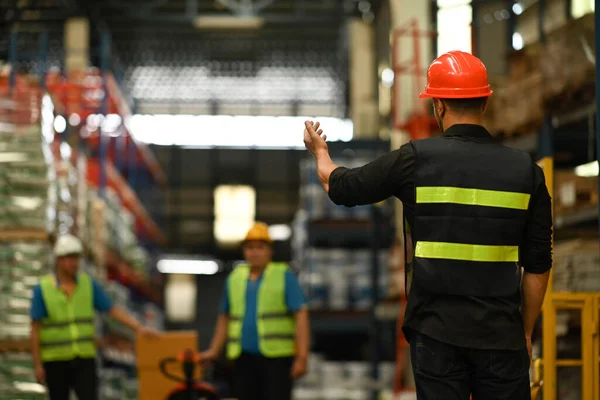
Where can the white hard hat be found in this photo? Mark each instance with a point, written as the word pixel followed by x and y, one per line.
pixel 66 245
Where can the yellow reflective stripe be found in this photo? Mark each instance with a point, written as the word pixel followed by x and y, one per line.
pixel 472 197
pixel 467 252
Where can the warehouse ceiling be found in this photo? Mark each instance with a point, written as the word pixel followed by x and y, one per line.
pixel 294 64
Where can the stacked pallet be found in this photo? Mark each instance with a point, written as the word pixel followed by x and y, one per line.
pixel 26 201
pixel 568 64
pixel 517 104
pixel 546 78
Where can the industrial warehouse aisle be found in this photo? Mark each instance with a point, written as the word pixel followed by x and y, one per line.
pixel 158 133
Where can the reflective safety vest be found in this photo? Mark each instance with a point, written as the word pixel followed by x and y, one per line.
pixel 470 215
pixel 276 325
pixel 68 331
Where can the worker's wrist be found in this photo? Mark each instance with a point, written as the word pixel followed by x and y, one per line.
pixel 321 154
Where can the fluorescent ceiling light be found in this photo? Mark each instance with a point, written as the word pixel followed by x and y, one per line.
pixel 195 267
pixel 280 232
pixel 227 22
pixel 587 170
pixel 207 131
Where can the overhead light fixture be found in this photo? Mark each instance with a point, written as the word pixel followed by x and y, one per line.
pixel 587 170
pixel 517 8
pixel 193 267
pixel 228 22
pixel 264 132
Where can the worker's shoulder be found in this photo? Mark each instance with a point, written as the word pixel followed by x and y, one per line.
pixel 516 153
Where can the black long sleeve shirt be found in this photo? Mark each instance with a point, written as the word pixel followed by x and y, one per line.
pixel 469 322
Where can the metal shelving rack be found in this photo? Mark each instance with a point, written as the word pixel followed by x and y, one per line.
pixel 375 234
pixel 120 162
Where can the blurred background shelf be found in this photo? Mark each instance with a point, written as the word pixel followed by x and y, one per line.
pixel 353 233
pixel 587 215
pixel 339 322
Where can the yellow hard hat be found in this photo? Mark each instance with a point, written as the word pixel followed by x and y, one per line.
pixel 259 231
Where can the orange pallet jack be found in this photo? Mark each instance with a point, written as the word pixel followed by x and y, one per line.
pixel 188 388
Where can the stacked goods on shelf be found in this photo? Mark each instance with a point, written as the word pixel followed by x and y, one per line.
pixel 573 192
pixel 66 190
pixel 340 279
pixel 25 179
pixel 26 205
pixel 517 105
pixel 577 266
pixel 568 62
pixel 113 218
pixel 81 198
pixel 554 76
pixel 17 378
pixel 22 264
pixel 116 384
pixel 95 233
pixel 329 380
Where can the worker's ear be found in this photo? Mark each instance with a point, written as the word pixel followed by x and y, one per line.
pixel 485 104
pixel 440 107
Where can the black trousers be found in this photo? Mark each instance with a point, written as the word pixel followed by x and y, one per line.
pixel 260 378
pixel 446 372
pixel 79 375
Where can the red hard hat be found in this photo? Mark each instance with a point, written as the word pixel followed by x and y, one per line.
pixel 456 75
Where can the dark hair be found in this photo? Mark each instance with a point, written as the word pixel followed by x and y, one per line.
pixel 466 105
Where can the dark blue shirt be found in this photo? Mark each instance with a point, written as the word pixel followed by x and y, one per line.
pixel 102 303
pixel 294 300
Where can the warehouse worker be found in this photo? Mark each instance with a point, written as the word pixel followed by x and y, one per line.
pixel 62 327
pixel 474 209
pixel 264 321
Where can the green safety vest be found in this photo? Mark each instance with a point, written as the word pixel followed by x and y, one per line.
pixel 276 325
pixel 68 331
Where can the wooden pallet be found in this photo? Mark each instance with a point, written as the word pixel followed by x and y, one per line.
pixel 15 345
pixel 11 235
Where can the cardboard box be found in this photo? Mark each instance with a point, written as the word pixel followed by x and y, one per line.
pixel 574 192
pixel 149 354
